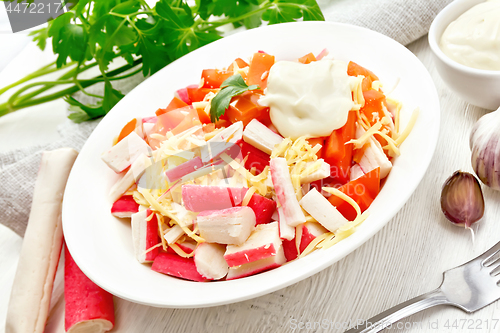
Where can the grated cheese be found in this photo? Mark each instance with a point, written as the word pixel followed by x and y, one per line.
pixel 152 248
pixel 345 197
pixel 361 141
pixel 180 251
pixel 402 137
pixel 159 218
pixel 248 195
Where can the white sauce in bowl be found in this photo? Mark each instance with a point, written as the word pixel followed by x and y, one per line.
pixel 473 39
pixel 312 99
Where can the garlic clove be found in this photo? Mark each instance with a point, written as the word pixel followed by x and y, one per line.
pixel 462 199
pixel 485 146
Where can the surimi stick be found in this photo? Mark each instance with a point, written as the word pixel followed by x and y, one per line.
pixel 30 297
pixel 88 308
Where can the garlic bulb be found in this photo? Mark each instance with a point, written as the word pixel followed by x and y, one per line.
pixel 485 147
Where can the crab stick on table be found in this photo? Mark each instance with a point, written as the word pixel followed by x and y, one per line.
pixel 88 308
pixel 30 296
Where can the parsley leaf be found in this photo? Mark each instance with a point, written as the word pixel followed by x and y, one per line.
pixel 232 86
pixel 94 33
pixel 289 11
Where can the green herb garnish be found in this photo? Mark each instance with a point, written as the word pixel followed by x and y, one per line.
pixel 121 38
pixel 232 86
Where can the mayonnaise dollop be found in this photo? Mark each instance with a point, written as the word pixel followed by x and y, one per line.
pixel 473 39
pixel 312 99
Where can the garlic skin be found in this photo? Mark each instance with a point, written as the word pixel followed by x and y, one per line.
pixel 485 146
pixel 462 200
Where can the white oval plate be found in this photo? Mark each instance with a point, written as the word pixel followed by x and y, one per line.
pixel 101 244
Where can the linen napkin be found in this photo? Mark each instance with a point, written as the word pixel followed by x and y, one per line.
pixel 403 20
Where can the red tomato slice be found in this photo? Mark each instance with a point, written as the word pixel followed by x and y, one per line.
pixel 240 62
pixel 308 58
pixel 337 153
pixel 362 190
pixel 315 141
pixel 261 63
pixel 247 108
pixel 213 78
pixel 175 103
pixel 127 129
pixel 353 69
pixel 198 94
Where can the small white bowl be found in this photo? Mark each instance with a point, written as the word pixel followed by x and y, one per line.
pixel 476 86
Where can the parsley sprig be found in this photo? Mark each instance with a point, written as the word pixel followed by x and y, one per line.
pixel 97 34
pixel 232 86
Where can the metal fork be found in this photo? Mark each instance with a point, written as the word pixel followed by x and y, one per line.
pixel 469 287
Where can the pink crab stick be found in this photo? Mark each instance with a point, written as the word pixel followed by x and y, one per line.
pixel 183 169
pixel 145 236
pixel 308 232
pixel 174 265
pixel 198 198
pixel 88 307
pixel 264 242
pixel 210 262
pixel 124 207
pixel 263 208
pixel 124 153
pixel 320 208
pixel 258 266
pixel 226 226
pixel 285 192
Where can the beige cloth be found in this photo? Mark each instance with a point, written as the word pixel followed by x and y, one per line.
pixel 403 20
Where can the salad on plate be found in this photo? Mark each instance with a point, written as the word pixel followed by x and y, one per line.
pixel 257 165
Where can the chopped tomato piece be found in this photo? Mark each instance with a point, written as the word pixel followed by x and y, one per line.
pixel 127 129
pixel 223 122
pixel 256 157
pixel 240 62
pixel 198 94
pixel 337 153
pixel 213 78
pixel 353 69
pixel 204 117
pixel 308 58
pixel 259 68
pixel 182 94
pixel 247 108
pixel 373 105
pixel 175 103
pixel 362 190
pixel 315 141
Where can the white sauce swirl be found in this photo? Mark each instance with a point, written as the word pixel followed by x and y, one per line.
pixel 312 99
pixel 473 39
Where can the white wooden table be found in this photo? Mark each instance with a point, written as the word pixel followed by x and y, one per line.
pixel 403 260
